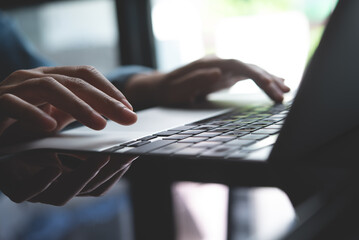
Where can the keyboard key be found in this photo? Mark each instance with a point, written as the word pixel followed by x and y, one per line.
pixel 221 129
pixel 192 132
pixel 205 127
pixel 257 125
pixel 254 136
pixel 220 123
pixel 147 138
pixel 265 122
pixel 248 128
pixel 193 140
pixel 266 131
pixel 190 152
pixel 240 142
pixel 166 133
pixel 177 137
pixel 169 149
pixel 128 143
pixel 151 146
pixel 274 126
pixel 277 117
pixel 207 144
pixel 209 134
pixel 221 139
pixel 138 143
pixel 235 133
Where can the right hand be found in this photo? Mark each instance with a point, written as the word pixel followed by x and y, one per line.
pixel 44 100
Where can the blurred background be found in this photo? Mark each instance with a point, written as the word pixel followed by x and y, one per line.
pixel 278 35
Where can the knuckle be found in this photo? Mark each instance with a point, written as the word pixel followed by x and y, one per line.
pixel 108 100
pixel 233 63
pixel 19 73
pixel 200 63
pixel 6 97
pixel 87 70
pixel 76 82
pixel 43 83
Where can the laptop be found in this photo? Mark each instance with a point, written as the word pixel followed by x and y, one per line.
pixel 324 108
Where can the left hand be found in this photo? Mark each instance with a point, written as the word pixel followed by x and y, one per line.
pixel 42 101
pixel 196 80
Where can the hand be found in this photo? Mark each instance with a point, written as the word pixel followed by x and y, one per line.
pixel 55 178
pixel 196 80
pixel 44 100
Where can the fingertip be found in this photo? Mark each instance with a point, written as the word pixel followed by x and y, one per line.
pixel 129 117
pixel 127 104
pixel 48 123
pixel 279 99
pixel 98 122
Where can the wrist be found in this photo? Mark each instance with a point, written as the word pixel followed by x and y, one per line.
pixel 141 90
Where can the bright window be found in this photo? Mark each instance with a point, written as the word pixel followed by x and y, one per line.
pixel 277 35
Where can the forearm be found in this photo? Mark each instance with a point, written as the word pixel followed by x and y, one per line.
pixel 126 78
pixel 142 91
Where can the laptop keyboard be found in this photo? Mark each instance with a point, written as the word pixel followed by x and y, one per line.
pixel 230 135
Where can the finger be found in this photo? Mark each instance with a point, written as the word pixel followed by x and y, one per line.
pixel 93 77
pixel 69 185
pixel 48 90
pixel 14 107
pixel 112 168
pixel 241 70
pixel 62 118
pixel 98 100
pixel 225 65
pixel 273 86
pixel 280 83
pixel 30 188
pixel 102 189
pixel 196 65
pixel 193 84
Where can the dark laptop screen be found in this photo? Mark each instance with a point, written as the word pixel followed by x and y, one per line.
pixel 326 105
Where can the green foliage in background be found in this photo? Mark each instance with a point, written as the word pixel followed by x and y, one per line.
pixel 315 10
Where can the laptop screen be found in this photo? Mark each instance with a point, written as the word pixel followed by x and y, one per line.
pixel 326 104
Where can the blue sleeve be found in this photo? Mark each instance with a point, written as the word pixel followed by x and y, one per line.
pixel 15 52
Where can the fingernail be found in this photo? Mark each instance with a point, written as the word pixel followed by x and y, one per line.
pixel 129 111
pixel 127 104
